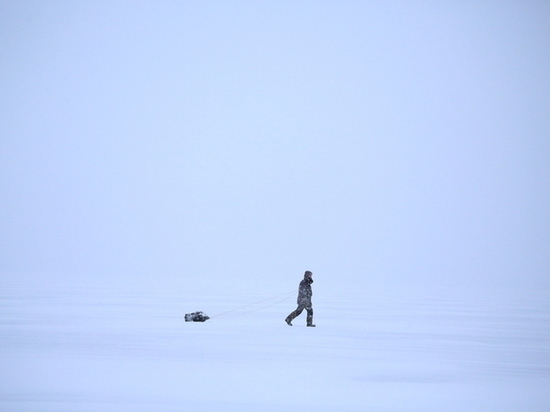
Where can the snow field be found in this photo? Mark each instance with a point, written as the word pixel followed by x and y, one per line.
pixel 108 351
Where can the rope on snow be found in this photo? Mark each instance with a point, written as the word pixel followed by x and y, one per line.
pixel 281 298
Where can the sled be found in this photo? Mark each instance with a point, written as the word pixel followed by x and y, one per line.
pixel 196 317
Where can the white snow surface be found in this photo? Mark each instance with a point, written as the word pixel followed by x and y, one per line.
pixel 113 350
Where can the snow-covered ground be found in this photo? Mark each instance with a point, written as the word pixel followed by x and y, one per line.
pixel 108 350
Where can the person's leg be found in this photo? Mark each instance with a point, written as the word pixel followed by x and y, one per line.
pixel 310 316
pixel 297 312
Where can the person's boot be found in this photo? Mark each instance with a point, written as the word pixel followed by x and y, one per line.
pixel 309 319
pixel 287 320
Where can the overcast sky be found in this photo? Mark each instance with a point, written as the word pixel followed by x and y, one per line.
pixel 382 145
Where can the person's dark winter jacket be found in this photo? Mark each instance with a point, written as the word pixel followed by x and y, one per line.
pixel 305 292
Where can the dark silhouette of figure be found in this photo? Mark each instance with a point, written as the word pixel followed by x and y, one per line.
pixel 304 300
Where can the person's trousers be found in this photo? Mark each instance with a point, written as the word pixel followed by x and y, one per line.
pixel 299 310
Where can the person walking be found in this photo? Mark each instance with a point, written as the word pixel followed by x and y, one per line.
pixel 304 300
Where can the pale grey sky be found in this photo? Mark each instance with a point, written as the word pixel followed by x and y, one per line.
pixel 382 145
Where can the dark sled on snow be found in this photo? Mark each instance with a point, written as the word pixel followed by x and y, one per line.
pixel 196 317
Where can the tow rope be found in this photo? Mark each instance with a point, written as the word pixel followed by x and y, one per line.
pixel 243 310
